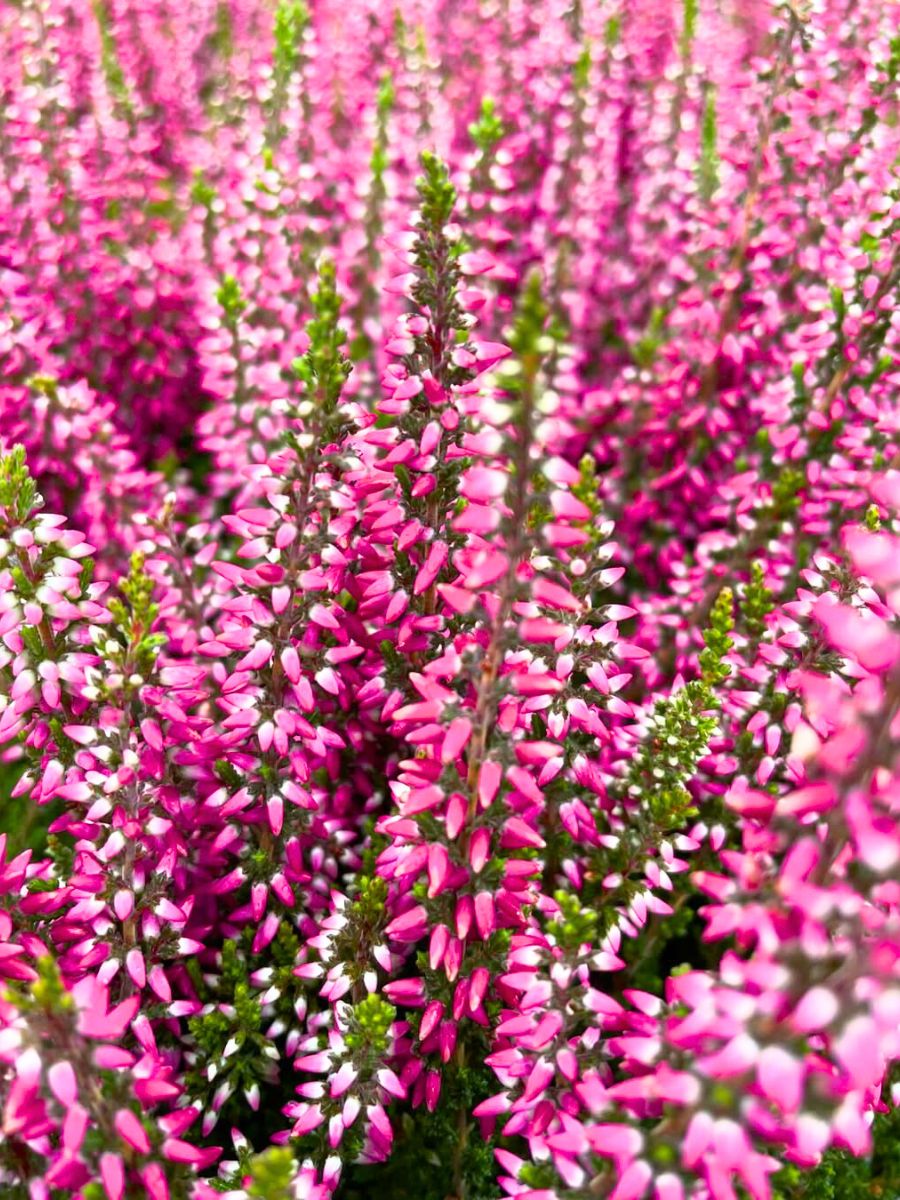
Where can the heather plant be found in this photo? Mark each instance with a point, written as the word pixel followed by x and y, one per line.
pixel 449 594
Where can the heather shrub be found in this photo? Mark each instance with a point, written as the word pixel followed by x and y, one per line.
pixel 449 595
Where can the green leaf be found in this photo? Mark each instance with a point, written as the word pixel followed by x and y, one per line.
pixel 708 169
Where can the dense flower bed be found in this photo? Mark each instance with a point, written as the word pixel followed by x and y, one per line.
pixel 449 594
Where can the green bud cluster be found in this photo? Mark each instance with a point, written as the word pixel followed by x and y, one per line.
pixel 109 59
pixel 529 338
pixel 370 900
pixel 18 493
pixel 678 734
pixel 688 24
pixel 291 19
pixel 272 1174
pixel 231 299
pixel 437 194
pixel 488 130
pixel 581 70
pixel 785 489
pixel 324 367
pixel 134 615
pixel 384 105
pixel 47 994
pixel 680 727
pixel 370 1023
pixel 204 195
pixel 646 348
pixel 708 166
pixel 713 668
pixel 757 602
pixel 435 289
pixel 575 925
pixel 872 519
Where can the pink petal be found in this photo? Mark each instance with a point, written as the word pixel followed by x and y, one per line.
pixel 63 1084
pixel 112 1173
pixel 131 1130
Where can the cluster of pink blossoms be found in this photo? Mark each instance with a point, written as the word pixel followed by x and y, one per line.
pixel 449 597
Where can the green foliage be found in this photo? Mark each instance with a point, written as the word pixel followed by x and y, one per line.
pixel 581 68
pixel 586 489
pixel 370 900
pixel 384 102
pixel 680 727
pixel 678 733
pixel 688 26
pixel 757 602
pixel 228 774
pixel 370 1022
pixel 653 794
pixel 575 926
pixel 539 1176
pixel 785 492
pixel 364 929
pixel 324 367
pixel 841 1176
pixel 25 823
pixel 529 339
pixel 488 130
pixel 231 300
pixel 9 777
pixel 646 348
pixel 532 343
pixel 223 33
pixel 437 278
pixel 713 668
pixel 202 191
pixel 437 195
pixel 271 1174
pixel 291 19
pixel 384 105
pixel 18 493
pixel 134 615
pixel 45 995
pixel 838 304
pixel 432 1149
pixel 708 167
pixel 109 59
pixel 663 940
pixel 676 738
pixel 872 519
pixel 230 1035
pixel 61 853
